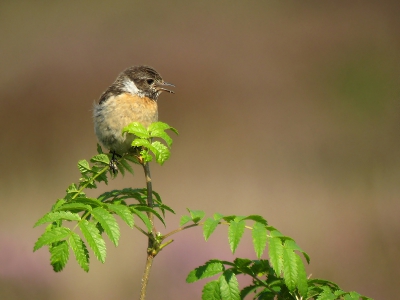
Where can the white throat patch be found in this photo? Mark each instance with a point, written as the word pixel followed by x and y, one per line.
pixel 131 87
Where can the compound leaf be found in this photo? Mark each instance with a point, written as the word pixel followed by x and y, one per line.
pixel 209 227
pixel 53 235
pixel 209 269
pixel 54 216
pixel 59 255
pixel 124 212
pixel 80 251
pixel 236 230
pixel 229 286
pixel 259 234
pixel 94 239
pixel 108 223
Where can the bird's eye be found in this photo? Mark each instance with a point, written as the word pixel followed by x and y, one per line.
pixel 150 81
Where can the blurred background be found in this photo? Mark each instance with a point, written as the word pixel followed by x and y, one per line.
pixel 288 110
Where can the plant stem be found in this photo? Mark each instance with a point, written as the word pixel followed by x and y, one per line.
pixel 151 238
pixel 145 277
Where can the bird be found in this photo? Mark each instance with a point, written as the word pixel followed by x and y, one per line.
pixel 131 98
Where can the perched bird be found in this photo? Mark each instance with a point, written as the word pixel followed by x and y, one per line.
pixel 131 98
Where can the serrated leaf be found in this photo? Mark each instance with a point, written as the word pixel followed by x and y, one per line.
pixel 197 215
pixel 54 216
pixel 83 166
pixel 137 129
pixel 326 294
pixel 290 243
pixel 161 152
pixel 184 220
pixel 211 291
pixel 58 203
pixel 80 251
pixel 257 219
pixel 276 254
pixel 74 207
pixel 144 218
pixel 302 284
pixel 59 256
pixel 99 150
pixel 141 143
pixel 218 217
pixel 126 165
pixel 94 239
pixel 247 290
pixel 108 223
pixel 290 271
pixel 53 235
pixel 259 234
pixel 158 126
pixel 124 212
pixel 229 286
pixel 163 135
pixel 236 230
pixel 150 210
pixel 209 227
pixel 209 269
pixel 101 158
pixel 93 202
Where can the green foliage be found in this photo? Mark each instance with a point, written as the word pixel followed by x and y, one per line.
pixel 144 139
pixel 280 276
pixel 95 216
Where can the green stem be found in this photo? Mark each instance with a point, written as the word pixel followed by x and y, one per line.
pixel 151 252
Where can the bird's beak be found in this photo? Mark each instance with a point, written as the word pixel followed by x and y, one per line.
pixel 160 86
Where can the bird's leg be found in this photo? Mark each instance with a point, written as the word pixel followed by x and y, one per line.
pixel 113 163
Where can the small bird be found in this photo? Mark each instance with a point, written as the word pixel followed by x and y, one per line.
pixel 131 98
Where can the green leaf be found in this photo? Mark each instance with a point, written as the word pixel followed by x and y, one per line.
pixel 276 254
pixel 94 239
pixel 289 267
pixel 209 269
pixel 58 203
pixel 80 251
pixel 54 216
pixel 126 165
pixel 218 217
pixel 302 284
pixel 161 126
pixel 161 152
pixel 144 218
pixel 101 158
pixel 211 291
pixel 124 212
pixel 257 219
pixel 209 227
pixel 294 246
pixel 93 202
pixel 55 234
pixel 259 234
pixel 247 290
pixel 59 256
pixel 108 223
pixel 184 220
pixel 99 150
pixel 197 215
pixel 150 210
pixel 141 143
pixel 74 207
pixel 229 286
pixel 326 294
pixel 83 166
pixel 163 135
pixel 136 129
pixel 236 230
